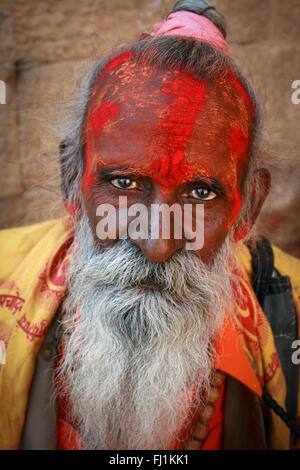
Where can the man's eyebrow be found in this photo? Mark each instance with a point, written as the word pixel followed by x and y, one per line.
pixel 115 170
pixel 210 181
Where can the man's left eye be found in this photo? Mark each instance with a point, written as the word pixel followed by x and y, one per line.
pixel 124 183
pixel 203 194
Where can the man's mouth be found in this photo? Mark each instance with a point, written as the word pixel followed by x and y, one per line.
pixel 149 285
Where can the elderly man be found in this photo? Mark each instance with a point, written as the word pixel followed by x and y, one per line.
pixel 119 334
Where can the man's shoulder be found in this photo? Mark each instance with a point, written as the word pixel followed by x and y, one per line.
pixel 28 232
pixel 286 264
pixel 17 243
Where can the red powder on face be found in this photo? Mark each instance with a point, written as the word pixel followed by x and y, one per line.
pixel 242 92
pixel 238 141
pixel 188 99
pixel 236 207
pixel 104 113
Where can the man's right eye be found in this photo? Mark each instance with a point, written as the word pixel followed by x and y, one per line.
pixel 124 183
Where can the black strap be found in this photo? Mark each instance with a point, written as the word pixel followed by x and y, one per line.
pixel 263 266
pixel 274 293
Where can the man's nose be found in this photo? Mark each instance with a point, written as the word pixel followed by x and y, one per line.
pixel 158 251
pixel 161 244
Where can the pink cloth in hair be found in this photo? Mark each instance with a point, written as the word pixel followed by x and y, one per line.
pixel 191 25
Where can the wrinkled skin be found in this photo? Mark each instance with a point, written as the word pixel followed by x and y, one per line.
pixel 169 135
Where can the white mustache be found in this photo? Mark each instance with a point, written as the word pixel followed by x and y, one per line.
pixel 129 268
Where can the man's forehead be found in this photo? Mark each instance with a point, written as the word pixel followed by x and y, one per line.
pixel 165 120
pixel 137 86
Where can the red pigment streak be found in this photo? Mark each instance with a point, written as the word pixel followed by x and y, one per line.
pixel 188 98
pixel 238 141
pixel 242 92
pixel 104 113
pixel 237 204
pixel 117 61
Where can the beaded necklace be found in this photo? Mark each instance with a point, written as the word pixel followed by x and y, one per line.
pixel 200 429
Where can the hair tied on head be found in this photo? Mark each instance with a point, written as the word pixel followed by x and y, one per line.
pixel 205 10
pixel 192 26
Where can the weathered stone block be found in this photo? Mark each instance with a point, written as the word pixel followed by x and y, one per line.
pixel 247 21
pixel 62 30
pixel 7 39
pixel 151 12
pixel 284 27
pixel 10 177
pixel 272 71
pixel 32 207
pixel 284 115
pixel 46 94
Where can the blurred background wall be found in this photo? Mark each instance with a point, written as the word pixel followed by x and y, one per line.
pixel 45 46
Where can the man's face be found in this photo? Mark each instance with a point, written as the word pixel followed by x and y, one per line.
pixel 166 137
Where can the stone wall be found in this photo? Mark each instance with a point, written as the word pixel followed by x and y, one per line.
pixel 46 46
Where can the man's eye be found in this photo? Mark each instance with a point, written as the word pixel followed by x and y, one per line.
pixel 124 183
pixel 204 194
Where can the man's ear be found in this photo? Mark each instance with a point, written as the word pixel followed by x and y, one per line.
pixel 258 194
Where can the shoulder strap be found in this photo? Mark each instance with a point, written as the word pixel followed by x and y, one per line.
pixel 274 294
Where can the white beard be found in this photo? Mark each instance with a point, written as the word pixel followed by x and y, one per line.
pixel 140 349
